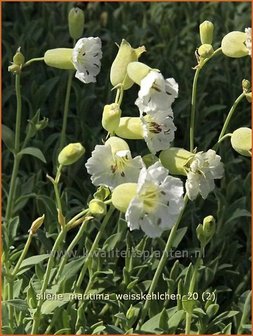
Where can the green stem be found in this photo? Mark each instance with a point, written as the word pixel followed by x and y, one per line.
pixel 37 314
pixel 56 190
pixel 93 248
pixel 245 314
pixel 194 96
pixel 23 254
pixel 66 109
pixel 17 158
pixel 162 263
pixel 33 60
pixel 70 248
pixel 188 323
pixel 229 116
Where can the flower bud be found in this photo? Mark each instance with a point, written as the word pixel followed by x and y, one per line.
pixel 104 19
pixel 70 154
pixel 206 32
pixel 209 226
pixel 241 141
pixel 14 68
pixel 130 128
pixel 246 85
pixel 37 224
pixel 175 160
pixel 122 195
pixel 76 23
pixel 205 51
pixel 233 44
pixel 111 117
pixel 19 58
pixel 61 218
pixel 126 55
pixel 102 193
pixel 249 97
pixel 60 58
pixel 117 144
pixel 137 71
pixel 97 208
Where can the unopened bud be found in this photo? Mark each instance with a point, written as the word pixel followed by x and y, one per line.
pixel 19 58
pixel 37 224
pixel 76 23
pixel 175 160
pixel 130 128
pixel 97 208
pixel 233 44
pixel 205 51
pixel 206 32
pixel 137 71
pixel 246 85
pixel 61 218
pixel 14 68
pixel 241 141
pixel 249 97
pixel 125 55
pixel 122 195
pixel 209 226
pixel 111 117
pixel 60 58
pixel 70 154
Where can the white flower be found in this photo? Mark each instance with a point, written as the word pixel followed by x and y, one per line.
pixel 158 201
pixel 111 169
pixel 158 130
pixel 248 40
pixel 203 169
pixel 156 93
pixel 86 58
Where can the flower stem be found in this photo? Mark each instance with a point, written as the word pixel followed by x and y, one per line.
pixel 93 248
pixel 188 323
pixel 23 254
pixel 17 158
pixel 37 314
pixel 66 109
pixel 33 60
pixel 194 97
pixel 70 248
pixel 245 314
pixel 161 264
pixel 229 116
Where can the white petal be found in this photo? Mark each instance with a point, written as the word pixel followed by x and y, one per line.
pixel 150 228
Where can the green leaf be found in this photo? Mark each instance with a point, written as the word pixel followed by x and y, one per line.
pixel 111 329
pixel 98 329
pixel 179 236
pixel 64 331
pixel 33 151
pixel 175 320
pixel 18 304
pixel 49 306
pixel 8 138
pixel 152 324
pixel 72 268
pixel 34 260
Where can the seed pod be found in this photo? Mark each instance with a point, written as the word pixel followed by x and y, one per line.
pixel 175 160
pixel 60 58
pixel 126 54
pixel 241 141
pixel 233 44
pixel 111 117
pixel 130 128
pixel 70 154
pixel 97 208
pixel 76 23
pixel 122 195
pixel 206 32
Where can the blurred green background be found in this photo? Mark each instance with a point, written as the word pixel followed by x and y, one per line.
pixel 169 32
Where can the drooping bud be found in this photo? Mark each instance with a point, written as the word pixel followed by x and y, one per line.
pixel 126 54
pixel 111 117
pixel 60 58
pixel 97 208
pixel 205 51
pixel 137 71
pixel 241 141
pixel 246 85
pixel 19 58
pixel 37 224
pixel 209 226
pixel 76 23
pixel 122 195
pixel 70 154
pixel 206 32
pixel 233 44
pixel 175 160
pixel 117 144
pixel 130 128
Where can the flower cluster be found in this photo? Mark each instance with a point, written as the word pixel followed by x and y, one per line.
pixel 154 102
